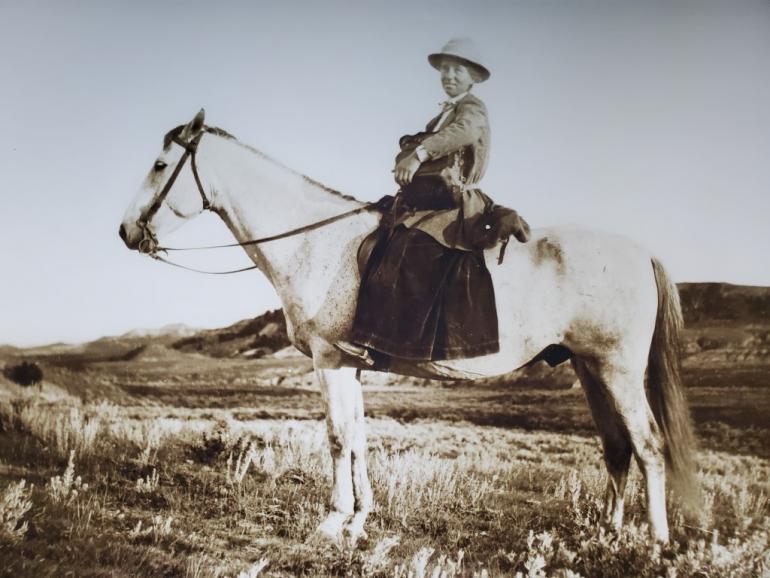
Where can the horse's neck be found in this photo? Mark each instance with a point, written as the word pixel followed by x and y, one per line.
pixel 256 197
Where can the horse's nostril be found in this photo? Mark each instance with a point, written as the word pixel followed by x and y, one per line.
pixel 122 233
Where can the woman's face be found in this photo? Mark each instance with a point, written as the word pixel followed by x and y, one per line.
pixel 455 77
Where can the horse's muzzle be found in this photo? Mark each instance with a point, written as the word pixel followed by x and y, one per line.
pixel 131 241
pixel 142 240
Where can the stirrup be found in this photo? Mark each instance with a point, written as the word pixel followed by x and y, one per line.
pixel 358 351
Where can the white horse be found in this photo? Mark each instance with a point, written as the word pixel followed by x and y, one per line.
pixel 606 302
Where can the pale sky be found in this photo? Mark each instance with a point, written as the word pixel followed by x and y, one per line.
pixel 651 119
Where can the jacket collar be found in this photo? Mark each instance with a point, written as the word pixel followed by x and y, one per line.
pixel 450 102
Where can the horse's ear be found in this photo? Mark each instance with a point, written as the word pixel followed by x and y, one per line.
pixel 195 125
pixel 197 122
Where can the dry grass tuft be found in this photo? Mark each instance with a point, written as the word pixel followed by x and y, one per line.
pixel 14 505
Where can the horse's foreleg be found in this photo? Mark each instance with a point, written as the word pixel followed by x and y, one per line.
pixel 337 391
pixel 362 490
pixel 351 494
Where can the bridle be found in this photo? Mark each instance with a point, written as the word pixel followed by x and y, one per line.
pixel 149 242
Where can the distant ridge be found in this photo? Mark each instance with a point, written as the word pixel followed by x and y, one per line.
pixel 703 302
pixel 9 349
pixel 177 330
pixel 248 338
pixel 156 352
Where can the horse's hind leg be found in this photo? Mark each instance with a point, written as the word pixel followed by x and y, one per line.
pixel 615 441
pixel 351 498
pixel 625 388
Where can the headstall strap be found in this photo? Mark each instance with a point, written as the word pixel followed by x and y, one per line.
pixel 204 198
pixel 190 148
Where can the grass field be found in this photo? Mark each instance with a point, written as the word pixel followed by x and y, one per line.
pixel 202 469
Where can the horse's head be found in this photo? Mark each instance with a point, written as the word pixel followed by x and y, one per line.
pixel 172 192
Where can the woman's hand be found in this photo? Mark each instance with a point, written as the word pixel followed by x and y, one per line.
pixel 405 169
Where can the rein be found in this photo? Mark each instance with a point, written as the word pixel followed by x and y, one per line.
pixel 259 241
pixel 149 244
pixel 189 151
pixel 290 233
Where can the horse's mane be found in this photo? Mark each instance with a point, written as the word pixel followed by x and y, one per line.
pixel 215 130
pixel 168 137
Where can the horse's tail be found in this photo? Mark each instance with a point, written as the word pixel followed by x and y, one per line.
pixel 666 393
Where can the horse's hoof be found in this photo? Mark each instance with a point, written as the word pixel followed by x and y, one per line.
pixel 331 529
pixel 354 530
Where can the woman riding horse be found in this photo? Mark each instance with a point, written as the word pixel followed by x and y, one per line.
pixel 426 293
pixel 603 299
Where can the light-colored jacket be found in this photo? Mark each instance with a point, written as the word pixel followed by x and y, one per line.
pixel 466 126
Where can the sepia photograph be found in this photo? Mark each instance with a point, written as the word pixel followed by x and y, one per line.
pixel 429 289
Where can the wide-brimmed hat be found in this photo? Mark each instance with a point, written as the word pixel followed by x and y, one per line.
pixel 464 50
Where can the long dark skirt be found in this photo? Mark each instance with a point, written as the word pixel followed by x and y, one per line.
pixel 423 301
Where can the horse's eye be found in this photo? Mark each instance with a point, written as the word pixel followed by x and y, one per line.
pixel 160 165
